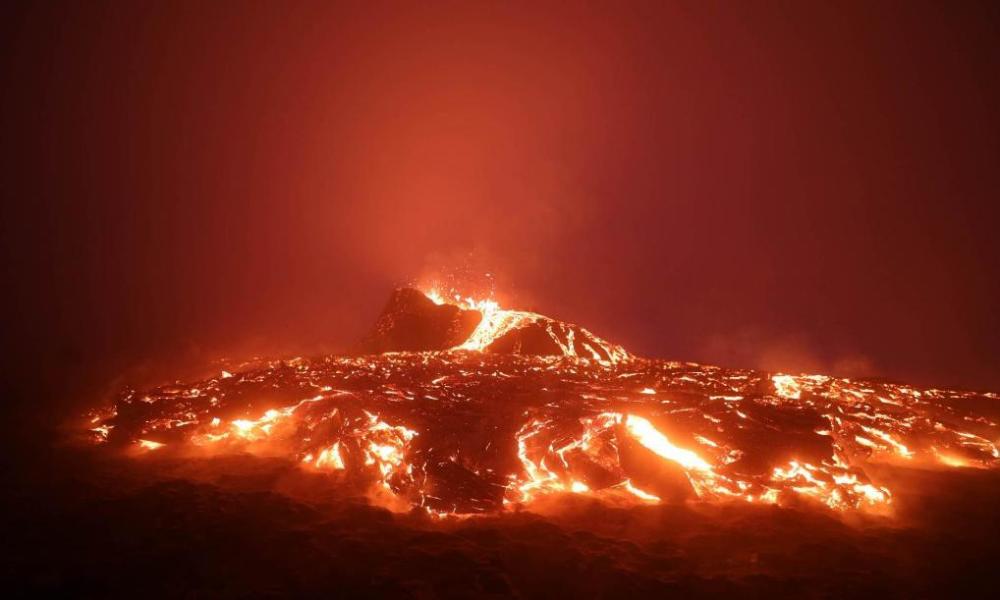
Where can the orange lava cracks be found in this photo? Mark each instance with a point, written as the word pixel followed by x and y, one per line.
pixel 464 432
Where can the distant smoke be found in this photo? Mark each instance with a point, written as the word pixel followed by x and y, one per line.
pixel 791 353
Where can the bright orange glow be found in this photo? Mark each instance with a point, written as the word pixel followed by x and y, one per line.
pixel 497 322
pixel 428 430
pixel 648 436
pixel 787 387
pixel 328 458
pixel 627 485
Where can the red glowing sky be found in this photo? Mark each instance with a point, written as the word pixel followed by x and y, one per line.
pixel 783 185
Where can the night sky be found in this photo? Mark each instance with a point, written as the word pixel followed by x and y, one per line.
pixel 784 185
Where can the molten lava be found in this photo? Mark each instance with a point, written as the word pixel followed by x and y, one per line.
pixel 524 406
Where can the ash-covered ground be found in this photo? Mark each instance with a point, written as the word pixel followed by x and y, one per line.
pixel 538 461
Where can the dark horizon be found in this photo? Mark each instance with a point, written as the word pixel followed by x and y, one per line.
pixel 804 188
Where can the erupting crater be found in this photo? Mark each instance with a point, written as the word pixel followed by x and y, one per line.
pixel 457 406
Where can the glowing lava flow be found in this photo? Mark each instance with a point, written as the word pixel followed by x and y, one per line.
pixel 469 430
pixel 497 322
pixel 549 468
pixel 649 437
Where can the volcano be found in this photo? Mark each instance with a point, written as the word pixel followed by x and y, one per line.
pixel 465 408
pixel 413 320
pixel 466 450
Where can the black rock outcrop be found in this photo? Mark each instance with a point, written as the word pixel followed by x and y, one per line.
pixel 410 321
